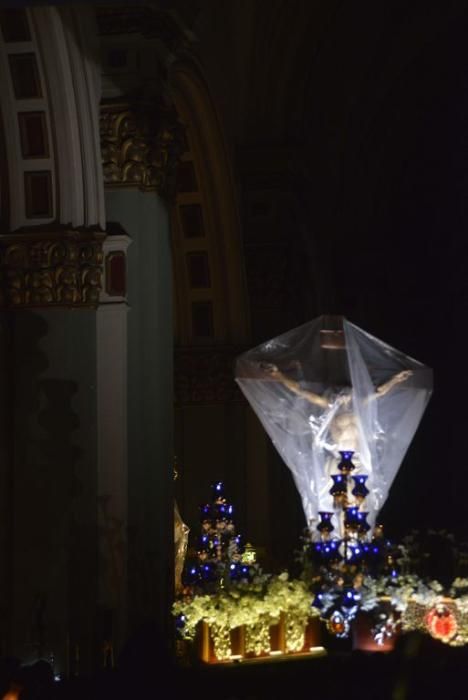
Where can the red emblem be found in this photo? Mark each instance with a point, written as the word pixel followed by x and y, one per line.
pixel 338 625
pixel 441 623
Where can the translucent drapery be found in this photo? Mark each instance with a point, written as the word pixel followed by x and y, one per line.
pixel 329 386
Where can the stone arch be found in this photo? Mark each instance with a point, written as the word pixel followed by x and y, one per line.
pixel 216 434
pixel 50 91
pixel 215 202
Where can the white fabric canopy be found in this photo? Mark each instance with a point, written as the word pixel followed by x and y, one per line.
pixel 329 386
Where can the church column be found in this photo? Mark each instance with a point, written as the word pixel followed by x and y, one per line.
pixel 139 152
pixel 51 269
pixel 51 289
pixel 112 457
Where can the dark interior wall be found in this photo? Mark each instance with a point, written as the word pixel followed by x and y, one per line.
pixel 365 215
pixel 385 132
pixel 351 162
pixel 319 187
pixel 6 473
pixel 50 568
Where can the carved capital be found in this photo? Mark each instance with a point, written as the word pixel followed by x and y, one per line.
pixel 141 146
pixel 51 269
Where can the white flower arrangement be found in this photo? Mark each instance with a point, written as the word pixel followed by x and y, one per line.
pixel 244 605
pixel 260 604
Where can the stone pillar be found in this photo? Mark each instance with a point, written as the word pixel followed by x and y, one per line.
pixel 112 449
pixel 140 146
pixel 144 217
pixel 50 290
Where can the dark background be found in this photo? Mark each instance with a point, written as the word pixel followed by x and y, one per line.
pixel 398 242
pixel 380 232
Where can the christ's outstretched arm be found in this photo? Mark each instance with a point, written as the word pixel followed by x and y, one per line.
pixel 388 386
pixel 292 385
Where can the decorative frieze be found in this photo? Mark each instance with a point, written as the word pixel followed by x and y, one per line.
pixel 51 269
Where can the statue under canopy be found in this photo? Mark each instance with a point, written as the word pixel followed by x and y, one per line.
pixel 329 387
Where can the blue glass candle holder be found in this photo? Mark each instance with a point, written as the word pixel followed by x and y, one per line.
pixel 331 552
pixel 204 543
pixel 234 571
pixel 373 555
pixel 180 622
pixel 362 524
pixel 339 489
pixel 346 465
pixel 355 553
pixel 350 598
pixel 351 521
pixel 223 511
pixel 318 601
pixel 360 490
pixel 217 490
pixel 315 551
pixel 239 571
pixel 191 575
pixel 325 525
pixel 208 572
pixel 206 512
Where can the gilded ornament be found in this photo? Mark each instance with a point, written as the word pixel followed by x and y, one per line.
pixel 250 555
pixel 51 269
pixel 141 146
pixel 295 632
pixel 222 641
pixel 257 637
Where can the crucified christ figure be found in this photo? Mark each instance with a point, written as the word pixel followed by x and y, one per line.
pixel 339 427
pixel 340 418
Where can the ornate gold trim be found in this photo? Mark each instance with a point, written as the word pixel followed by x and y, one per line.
pixel 51 269
pixel 141 146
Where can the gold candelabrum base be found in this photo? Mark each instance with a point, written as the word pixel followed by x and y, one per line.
pixel 266 640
